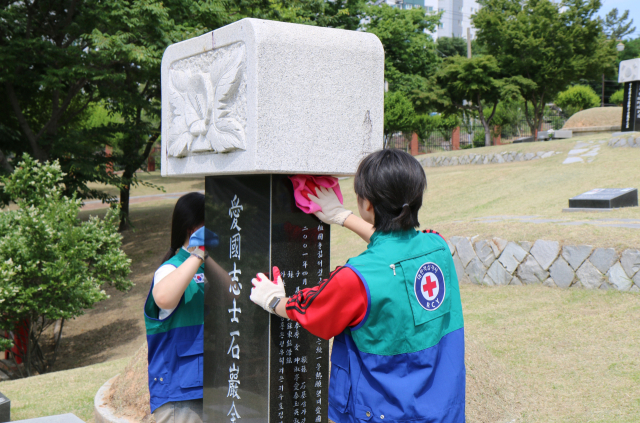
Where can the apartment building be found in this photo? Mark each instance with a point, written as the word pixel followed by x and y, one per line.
pixel 456 17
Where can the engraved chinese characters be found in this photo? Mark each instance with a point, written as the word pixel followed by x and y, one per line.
pixel 207 98
pixel 236 289
pixel 300 358
pixel 259 226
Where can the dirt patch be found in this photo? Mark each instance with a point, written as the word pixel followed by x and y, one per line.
pixel 598 116
pixel 129 393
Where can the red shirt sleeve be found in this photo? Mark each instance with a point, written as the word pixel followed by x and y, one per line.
pixel 431 231
pixel 329 308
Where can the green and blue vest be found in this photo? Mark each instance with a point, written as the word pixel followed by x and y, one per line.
pixel 176 343
pixel 404 362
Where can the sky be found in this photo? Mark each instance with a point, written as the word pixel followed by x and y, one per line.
pixel 634 12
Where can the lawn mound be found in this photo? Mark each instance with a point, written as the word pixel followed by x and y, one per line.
pixel 491 391
pixel 129 393
pixel 597 116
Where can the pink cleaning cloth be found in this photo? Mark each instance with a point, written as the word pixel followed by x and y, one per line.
pixel 303 185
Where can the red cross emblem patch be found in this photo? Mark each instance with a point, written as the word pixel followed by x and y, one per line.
pixel 429 286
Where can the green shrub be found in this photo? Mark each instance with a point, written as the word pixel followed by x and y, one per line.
pixel 399 115
pixel 577 98
pixel 478 137
pixel 617 98
pixel 52 265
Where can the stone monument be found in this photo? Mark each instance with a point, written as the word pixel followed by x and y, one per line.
pixel 5 408
pixel 245 106
pixel 630 75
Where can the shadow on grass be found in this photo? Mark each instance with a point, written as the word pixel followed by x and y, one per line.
pixel 89 347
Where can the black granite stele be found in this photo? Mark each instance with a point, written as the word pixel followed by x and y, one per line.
pixel 631 107
pixel 259 367
pixel 5 408
pixel 609 198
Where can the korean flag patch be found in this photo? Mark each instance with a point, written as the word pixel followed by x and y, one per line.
pixel 429 286
pixel 199 278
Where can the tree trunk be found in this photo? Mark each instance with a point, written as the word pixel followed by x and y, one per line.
pixel 125 191
pixel 487 133
pixel 5 163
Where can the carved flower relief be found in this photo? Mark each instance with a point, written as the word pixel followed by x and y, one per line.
pixel 201 103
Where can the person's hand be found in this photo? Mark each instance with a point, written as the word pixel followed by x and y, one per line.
pixel 265 290
pixel 332 210
pixel 203 237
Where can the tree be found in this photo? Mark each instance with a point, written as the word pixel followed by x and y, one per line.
pixel 616 27
pixel 546 44
pixel 617 98
pixel 464 84
pixel 631 50
pixel 137 36
pixel 52 265
pixel 399 115
pixel 63 57
pixel 576 98
pixel 410 55
pixel 427 124
pixel 451 46
pixel 50 76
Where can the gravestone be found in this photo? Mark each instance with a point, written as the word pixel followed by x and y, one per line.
pixel 629 74
pixel 246 106
pixel 5 408
pixel 605 198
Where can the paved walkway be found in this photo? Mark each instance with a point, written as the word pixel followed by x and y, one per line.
pixel 605 222
pixel 584 151
pixel 98 204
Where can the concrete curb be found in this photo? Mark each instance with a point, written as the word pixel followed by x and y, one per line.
pixel 586 130
pixel 103 412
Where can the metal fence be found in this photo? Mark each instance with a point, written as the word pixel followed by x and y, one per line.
pixel 436 141
pixel 472 133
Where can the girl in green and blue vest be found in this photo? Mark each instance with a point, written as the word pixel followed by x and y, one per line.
pixel 174 317
pixel 394 311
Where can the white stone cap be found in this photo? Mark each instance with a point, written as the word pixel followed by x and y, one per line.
pixel 629 71
pixel 262 96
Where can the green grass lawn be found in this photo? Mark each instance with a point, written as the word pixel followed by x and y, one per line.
pixel 457 195
pixel 70 391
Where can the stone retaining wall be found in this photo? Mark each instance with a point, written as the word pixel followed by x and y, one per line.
pixel 633 140
pixel 472 158
pixel 500 262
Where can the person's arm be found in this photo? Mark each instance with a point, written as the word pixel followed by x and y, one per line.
pixel 168 291
pixel 338 302
pixel 333 212
pixel 361 228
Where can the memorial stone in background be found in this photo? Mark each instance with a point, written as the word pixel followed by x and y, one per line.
pixel 5 408
pixel 257 366
pixel 606 198
pixel 629 74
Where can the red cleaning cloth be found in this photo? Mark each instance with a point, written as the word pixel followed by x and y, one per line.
pixel 303 185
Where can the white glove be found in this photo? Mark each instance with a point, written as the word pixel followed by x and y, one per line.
pixel 331 209
pixel 265 290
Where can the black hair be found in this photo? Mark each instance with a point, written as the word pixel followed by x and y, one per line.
pixel 188 214
pixel 393 181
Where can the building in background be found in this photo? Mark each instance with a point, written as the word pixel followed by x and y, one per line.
pixel 455 19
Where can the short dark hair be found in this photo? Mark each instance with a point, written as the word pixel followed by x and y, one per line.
pixel 188 214
pixel 394 182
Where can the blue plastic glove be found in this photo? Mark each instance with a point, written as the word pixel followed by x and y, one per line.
pixel 204 237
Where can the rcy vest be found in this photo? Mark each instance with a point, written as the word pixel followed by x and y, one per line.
pixel 405 361
pixel 176 344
